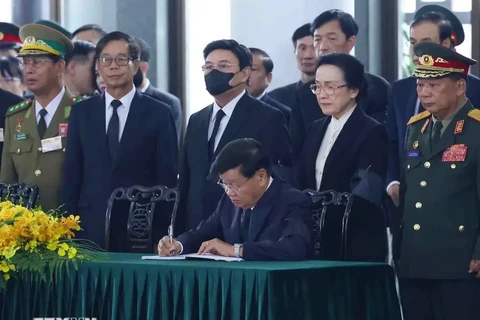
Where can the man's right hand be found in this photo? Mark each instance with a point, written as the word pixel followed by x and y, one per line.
pixel 394 193
pixel 165 248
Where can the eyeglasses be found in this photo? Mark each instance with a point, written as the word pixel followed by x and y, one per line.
pixel 119 60
pixel 234 188
pixel 35 62
pixel 219 66
pixel 329 89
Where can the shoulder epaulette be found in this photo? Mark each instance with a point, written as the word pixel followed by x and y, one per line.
pixel 474 114
pixel 418 117
pixel 18 107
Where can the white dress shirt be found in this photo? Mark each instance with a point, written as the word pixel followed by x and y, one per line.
pixel 51 108
pixel 147 84
pixel 333 130
pixel 228 110
pixel 262 95
pixel 122 110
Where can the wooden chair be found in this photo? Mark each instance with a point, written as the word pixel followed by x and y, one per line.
pixel 143 201
pixel 323 202
pixel 19 193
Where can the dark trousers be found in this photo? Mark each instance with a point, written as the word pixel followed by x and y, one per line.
pixel 440 299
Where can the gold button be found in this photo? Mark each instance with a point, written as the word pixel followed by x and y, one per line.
pixel 427 165
pixel 408 167
pixel 423 184
pixel 453 166
pixel 18 150
pixel 416 227
pixel 38 172
pixel 418 205
pixel 40 149
pixel 461 228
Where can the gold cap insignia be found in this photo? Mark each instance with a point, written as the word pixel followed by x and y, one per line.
pixel 29 40
pixel 426 60
pixel 440 60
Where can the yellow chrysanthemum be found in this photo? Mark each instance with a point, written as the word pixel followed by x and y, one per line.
pixel 72 252
pixel 61 252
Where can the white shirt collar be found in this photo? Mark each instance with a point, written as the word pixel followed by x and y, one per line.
pixel 228 108
pixel 52 106
pixel 126 100
pixel 262 95
pixel 147 84
pixel 339 123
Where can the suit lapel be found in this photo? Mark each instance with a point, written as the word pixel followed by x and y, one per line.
pixel 261 211
pixel 412 100
pixel 97 121
pixel 352 128
pixel 59 116
pixel 135 115
pixel 315 148
pixel 239 116
pixel 424 139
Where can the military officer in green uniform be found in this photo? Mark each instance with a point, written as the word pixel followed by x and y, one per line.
pixel 35 131
pixel 440 246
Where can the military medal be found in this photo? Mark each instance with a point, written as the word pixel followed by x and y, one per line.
pixel 18 128
pixel 63 129
pixel 415 145
pixel 459 126
pixel 456 152
pixel 425 126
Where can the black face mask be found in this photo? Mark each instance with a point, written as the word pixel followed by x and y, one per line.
pixel 138 78
pixel 217 82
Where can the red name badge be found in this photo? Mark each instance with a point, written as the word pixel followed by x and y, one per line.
pixel 62 129
pixel 456 152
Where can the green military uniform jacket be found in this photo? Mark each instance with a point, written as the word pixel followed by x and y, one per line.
pixel 22 156
pixel 441 198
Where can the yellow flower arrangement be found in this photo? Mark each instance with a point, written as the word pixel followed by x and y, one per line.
pixel 32 240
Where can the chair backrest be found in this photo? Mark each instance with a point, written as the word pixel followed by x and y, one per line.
pixel 19 193
pixel 324 202
pixel 141 212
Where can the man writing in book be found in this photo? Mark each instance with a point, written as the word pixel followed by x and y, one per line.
pixel 258 218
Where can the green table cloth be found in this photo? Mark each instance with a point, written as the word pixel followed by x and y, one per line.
pixel 126 287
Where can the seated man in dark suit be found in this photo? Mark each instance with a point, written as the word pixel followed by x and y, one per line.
pixel 262 67
pixel 143 84
pixel 258 217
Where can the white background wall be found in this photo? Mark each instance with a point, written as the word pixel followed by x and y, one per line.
pixel 266 24
pixel 76 13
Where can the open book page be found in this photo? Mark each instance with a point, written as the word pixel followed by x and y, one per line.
pixel 193 256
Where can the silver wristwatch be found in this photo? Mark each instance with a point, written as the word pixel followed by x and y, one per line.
pixel 237 247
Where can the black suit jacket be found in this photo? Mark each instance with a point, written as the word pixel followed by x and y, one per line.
pixel 306 110
pixel 250 119
pixel 147 157
pixel 277 105
pixel 280 226
pixel 362 144
pixel 174 104
pixel 7 99
pixel 286 94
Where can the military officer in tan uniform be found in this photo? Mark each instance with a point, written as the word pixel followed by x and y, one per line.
pixel 439 267
pixel 35 131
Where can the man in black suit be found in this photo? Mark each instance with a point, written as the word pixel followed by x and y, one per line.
pixel 119 139
pixel 334 31
pixel 260 78
pixel 304 53
pixel 258 217
pixel 143 84
pixel 7 99
pixel 233 115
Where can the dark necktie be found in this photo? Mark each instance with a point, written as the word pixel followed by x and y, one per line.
pixel 113 131
pixel 245 223
pixel 437 128
pixel 211 142
pixel 42 124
